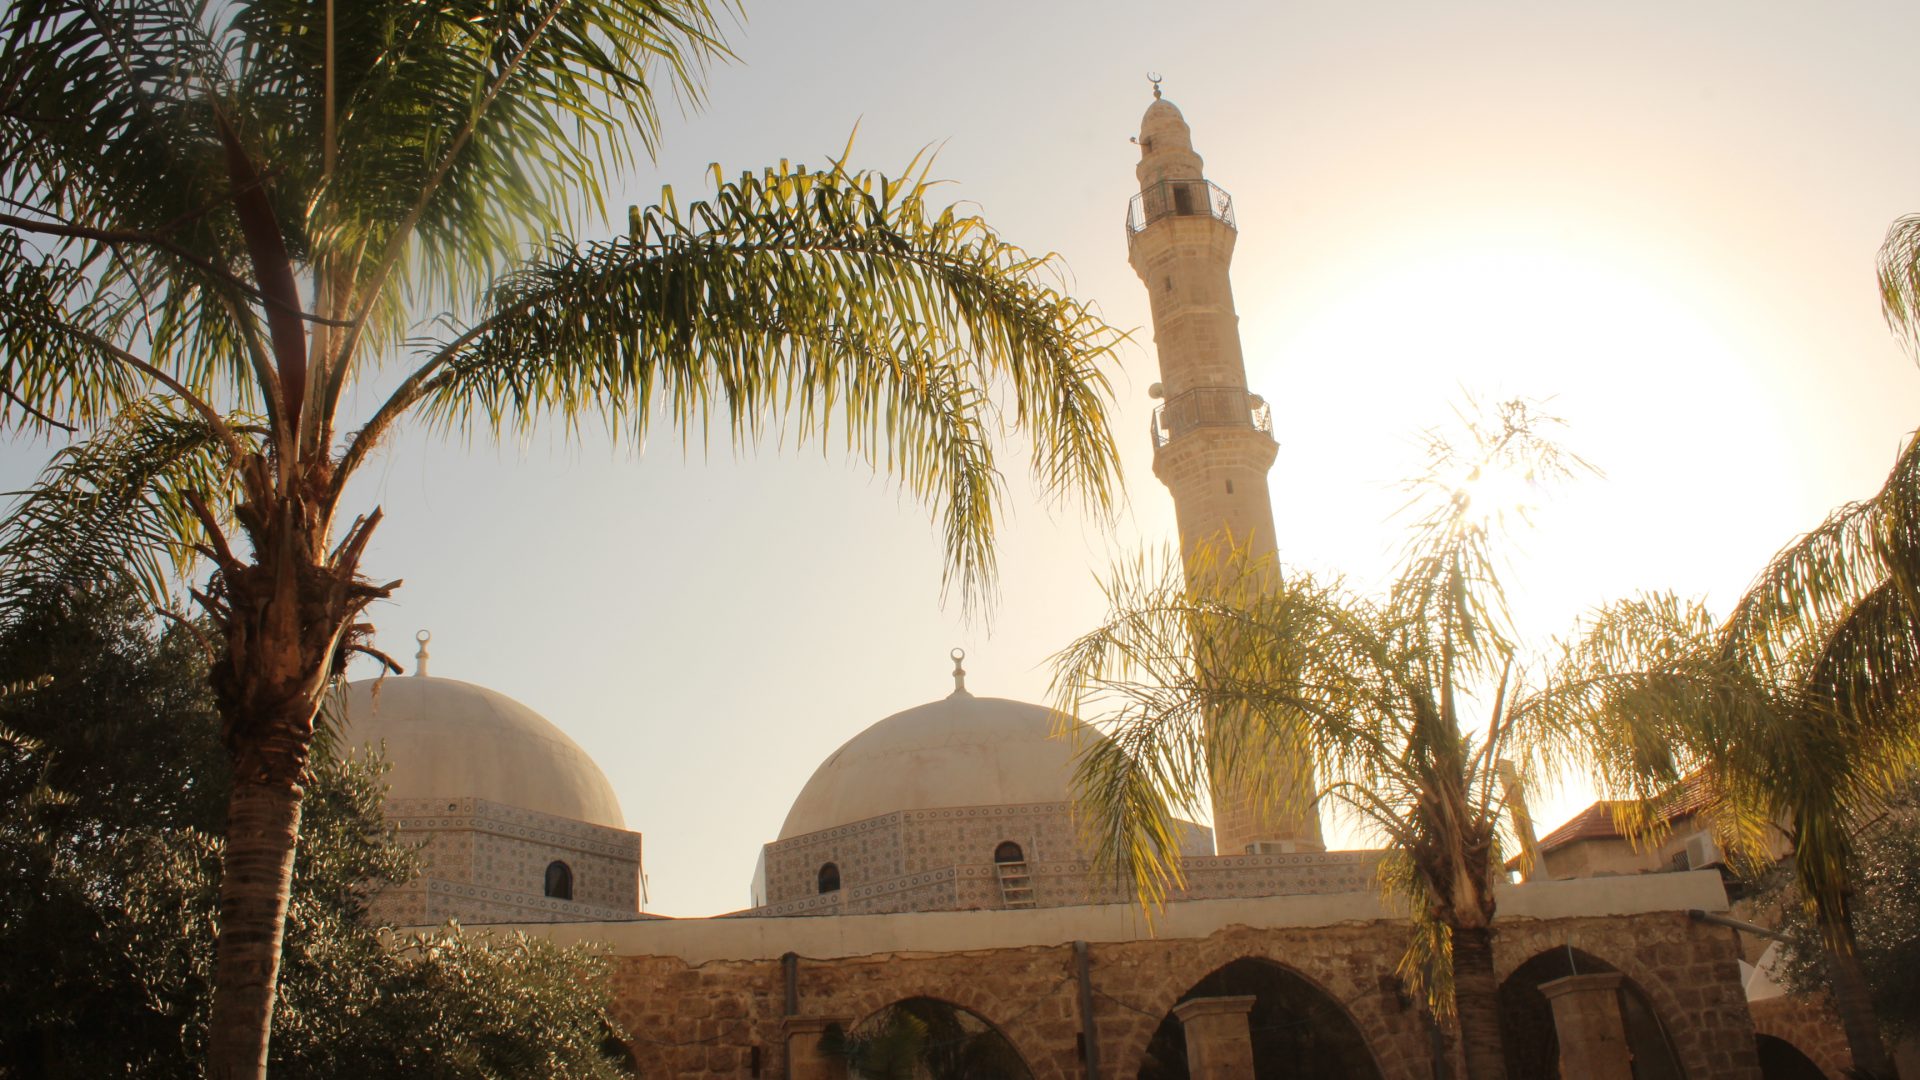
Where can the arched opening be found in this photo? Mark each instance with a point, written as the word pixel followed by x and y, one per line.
pixel 829 878
pixel 1297 1029
pixel 926 1038
pixel 559 880
pixel 1007 852
pixel 1781 1060
pixel 1533 1043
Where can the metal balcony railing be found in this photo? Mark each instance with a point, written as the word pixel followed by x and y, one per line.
pixel 1210 406
pixel 1179 198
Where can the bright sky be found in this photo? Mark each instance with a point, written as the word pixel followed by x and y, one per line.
pixel 1663 216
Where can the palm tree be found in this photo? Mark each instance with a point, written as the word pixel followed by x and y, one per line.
pixel 220 218
pixel 1797 712
pixel 1191 680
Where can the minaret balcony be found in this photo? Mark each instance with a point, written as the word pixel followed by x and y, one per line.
pixel 1179 198
pixel 1211 407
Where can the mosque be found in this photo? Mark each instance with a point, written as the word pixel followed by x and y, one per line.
pixel 930 865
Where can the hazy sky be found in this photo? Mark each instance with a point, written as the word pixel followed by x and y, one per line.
pixel 1662 216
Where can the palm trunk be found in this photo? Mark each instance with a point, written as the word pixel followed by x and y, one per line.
pixel 287 617
pixel 1854 1002
pixel 1476 998
pixel 263 824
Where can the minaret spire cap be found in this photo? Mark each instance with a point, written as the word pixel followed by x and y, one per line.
pixel 420 658
pixel 959 674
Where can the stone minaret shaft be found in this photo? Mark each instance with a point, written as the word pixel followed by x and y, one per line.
pixel 1213 440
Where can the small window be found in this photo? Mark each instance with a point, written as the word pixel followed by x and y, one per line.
pixel 559 880
pixel 1008 851
pixel 829 878
pixel 1183 200
pixel 1229 487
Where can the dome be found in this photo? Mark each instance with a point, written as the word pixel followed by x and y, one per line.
pixel 1163 128
pixel 451 739
pixel 959 751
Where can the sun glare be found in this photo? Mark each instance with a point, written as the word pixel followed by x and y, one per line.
pixel 1496 493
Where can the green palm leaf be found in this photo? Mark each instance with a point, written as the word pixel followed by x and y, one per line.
pixel 118 507
pixel 807 300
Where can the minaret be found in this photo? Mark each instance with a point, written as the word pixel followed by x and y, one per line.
pixel 1212 439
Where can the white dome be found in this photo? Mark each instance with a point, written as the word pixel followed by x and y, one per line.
pixel 448 739
pixel 959 751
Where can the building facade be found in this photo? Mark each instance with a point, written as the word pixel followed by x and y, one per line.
pixel 933 864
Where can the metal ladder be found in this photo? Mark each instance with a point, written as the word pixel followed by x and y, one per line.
pixel 1016 885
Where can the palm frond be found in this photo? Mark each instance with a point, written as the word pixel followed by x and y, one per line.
pixel 1814 582
pixel 49 375
pixel 466 128
pixel 1899 266
pixel 115 508
pixel 1478 484
pixel 814 300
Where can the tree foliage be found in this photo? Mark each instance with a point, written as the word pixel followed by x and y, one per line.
pixel 1886 881
pixel 1405 704
pixel 1796 711
pixel 110 845
pixel 221 219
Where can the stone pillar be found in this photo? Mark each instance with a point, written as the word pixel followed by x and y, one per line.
pixel 1593 1037
pixel 804 1059
pixel 1219 1043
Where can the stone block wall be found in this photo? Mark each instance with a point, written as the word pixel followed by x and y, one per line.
pixel 717 1017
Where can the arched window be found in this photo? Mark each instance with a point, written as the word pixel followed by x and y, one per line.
pixel 829 878
pixel 559 880
pixel 1008 851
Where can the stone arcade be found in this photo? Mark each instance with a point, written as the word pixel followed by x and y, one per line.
pixel 932 858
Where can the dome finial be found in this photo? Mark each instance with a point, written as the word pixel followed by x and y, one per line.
pixel 420 658
pixel 959 672
pixel 1154 78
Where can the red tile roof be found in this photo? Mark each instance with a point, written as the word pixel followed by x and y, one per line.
pixel 1686 799
pixel 1593 823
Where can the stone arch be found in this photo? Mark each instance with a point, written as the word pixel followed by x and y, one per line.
pixel 1517 942
pixel 1781 1060
pixel 969 994
pixel 1527 1027
pixel 1791 1022
pixel 1297 1027
pixel 957 1041
pixel 1393 1027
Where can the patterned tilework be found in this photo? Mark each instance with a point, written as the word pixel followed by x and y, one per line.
pixel 487 862
pixel 942 860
